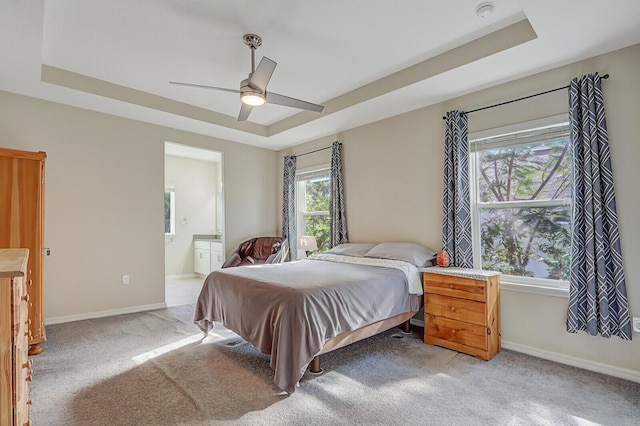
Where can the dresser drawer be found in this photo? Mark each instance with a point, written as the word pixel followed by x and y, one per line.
pixel 457 309
pixel 448 330
pixel 15 366
pixel 463 288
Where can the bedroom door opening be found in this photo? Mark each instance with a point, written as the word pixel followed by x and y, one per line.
pixel 194 219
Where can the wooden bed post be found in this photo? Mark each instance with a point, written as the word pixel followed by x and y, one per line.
pixel 314 366
pixel 406 329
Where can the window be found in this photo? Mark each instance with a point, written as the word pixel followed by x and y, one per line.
pixel 521 201
pixel 313 195
pixel 169 210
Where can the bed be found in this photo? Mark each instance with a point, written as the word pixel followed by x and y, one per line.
pixel 296 311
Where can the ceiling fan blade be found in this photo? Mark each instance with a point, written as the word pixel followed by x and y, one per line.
pixel 261 76
pixel 245 110
pixel 202 86
pixel 274 98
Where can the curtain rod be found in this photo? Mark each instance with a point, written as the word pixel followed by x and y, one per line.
pixel 315 150
pixel 604 77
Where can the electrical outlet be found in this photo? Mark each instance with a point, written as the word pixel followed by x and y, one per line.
pixel 125 280
pixel 636 324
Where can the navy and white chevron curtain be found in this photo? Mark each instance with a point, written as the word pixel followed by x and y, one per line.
pixel 338 216
pixel 456 200
pixel 597 294
pixel 289 205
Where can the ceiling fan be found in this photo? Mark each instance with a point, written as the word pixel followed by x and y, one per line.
pixel 253 90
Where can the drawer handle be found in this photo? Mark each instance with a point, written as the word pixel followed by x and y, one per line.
pixel 450 285
pixel 30 282
pixel 29 402
pixel 27 364
pixel 28 378
pixel 25 297
pixel 453 309
pixel 453 332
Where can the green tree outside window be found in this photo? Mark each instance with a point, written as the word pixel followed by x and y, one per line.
pixel 524 210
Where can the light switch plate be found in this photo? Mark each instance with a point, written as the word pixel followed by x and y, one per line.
pixel 636 324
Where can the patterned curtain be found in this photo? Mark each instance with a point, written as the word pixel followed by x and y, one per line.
pixel 336 206
pixel 597 293
pixel 289 206
pixel 456 200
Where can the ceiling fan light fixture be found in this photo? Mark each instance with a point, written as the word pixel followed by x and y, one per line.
pixel 252 98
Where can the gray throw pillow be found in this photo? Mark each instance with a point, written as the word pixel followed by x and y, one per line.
pixel 351 249
pixel 408 252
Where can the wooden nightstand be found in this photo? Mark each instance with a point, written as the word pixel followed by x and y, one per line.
pixel 462 310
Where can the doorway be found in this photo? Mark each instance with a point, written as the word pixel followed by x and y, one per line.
pixel 194 211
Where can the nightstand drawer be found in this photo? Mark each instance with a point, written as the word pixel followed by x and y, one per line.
pixel 464 288
pixel 457 309
pixel 446 330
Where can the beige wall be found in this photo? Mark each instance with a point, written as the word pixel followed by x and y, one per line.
pixel 104 201
pixel 393 190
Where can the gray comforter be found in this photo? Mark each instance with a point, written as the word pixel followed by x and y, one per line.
pixel 289 310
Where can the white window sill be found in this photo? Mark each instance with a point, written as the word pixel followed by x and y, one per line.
pixel 535 289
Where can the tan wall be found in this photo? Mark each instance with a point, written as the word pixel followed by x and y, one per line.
pixel 393 191
pixel 104 209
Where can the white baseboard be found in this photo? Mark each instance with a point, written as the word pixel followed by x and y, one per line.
pixel 180 277
pixel 101 314
pixel 622 373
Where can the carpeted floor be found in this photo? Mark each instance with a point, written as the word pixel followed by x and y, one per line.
pixel 155 368
pixel 182 291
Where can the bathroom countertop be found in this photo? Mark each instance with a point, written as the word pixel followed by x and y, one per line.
pixel 207 237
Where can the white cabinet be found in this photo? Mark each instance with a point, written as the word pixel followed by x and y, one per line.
pixel 208 256
pixel 201 257
pixel 217 257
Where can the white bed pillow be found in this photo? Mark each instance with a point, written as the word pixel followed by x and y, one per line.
pixel 408 252
pixel 351 249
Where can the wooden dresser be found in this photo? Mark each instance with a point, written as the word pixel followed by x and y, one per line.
pixel 462 310
pixel 15 365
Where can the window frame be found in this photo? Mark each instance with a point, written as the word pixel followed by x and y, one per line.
pixel 171 190
pixel 512 282
pixel 301 205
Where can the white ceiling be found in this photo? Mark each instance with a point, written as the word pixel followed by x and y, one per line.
pixel 365 60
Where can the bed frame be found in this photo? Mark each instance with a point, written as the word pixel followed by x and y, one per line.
pixel 348 337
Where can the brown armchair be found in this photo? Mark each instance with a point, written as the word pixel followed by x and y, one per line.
pixel 257 251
